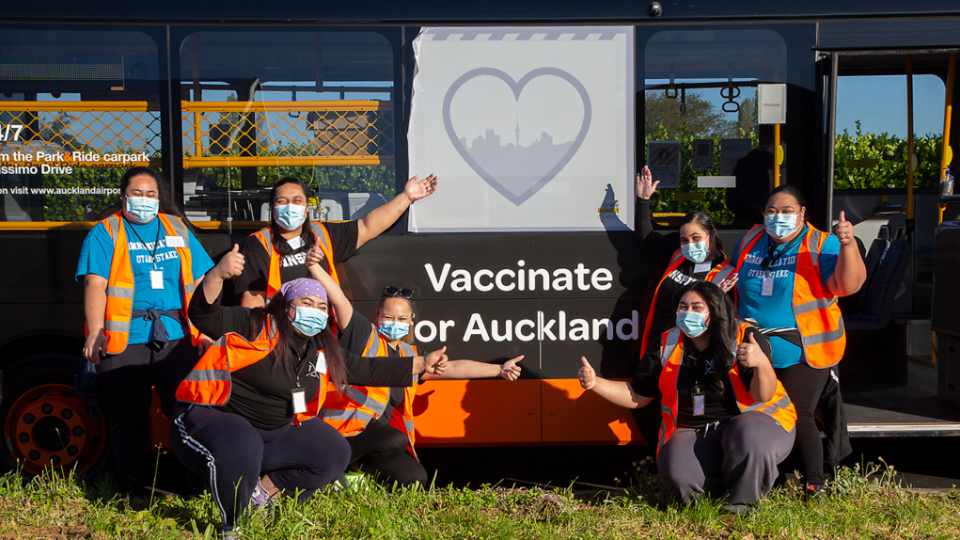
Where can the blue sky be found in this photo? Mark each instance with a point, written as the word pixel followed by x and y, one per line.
pixel 880 103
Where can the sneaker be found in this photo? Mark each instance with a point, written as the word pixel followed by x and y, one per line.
pixel 353 480
pixel 813 492
pixel 260 500
pixel 228 533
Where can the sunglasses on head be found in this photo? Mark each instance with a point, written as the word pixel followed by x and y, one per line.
pixel 394 292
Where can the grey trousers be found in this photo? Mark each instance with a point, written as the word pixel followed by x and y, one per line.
pixel 737 461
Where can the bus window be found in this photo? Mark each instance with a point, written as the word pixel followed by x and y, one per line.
pixel 700 118
pixel 260 106
pixel 871 148
pixel 77 109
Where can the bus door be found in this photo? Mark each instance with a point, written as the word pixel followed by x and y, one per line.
pixel 886 147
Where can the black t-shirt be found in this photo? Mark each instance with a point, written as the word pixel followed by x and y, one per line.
pixel 343 238
pixel 354 338
pixel 661 250
pixel 698 368
pixel 262 391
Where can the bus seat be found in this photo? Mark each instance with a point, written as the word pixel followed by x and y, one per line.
pixel 886 264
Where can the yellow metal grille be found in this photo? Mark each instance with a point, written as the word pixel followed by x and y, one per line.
pixel 295 133
pixel 216 134
pixel 100 127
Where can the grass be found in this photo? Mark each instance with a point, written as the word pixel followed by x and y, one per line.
pixel 865 502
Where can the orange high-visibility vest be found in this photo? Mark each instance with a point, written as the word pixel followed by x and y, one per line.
pixel 209 383
pixel 818 316
pixel 120 286
pixel 321 235
pixel 352 409
pixel 780 408
pixel 402 417
pixel 719 273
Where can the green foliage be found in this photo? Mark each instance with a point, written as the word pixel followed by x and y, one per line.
pixel 714 200
pixel 859 505
pixel 879 161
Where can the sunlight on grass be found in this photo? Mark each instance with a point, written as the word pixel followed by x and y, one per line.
pixel 864 502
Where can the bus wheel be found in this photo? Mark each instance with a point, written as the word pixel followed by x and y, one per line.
pixel 46 424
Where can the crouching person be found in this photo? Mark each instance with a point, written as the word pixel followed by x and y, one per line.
pixel 727 421
pixel 245 420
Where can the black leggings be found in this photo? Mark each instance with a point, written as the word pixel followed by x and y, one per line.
pixel 382 449
pixel 124 381
pixel 804 385
pixel 233 455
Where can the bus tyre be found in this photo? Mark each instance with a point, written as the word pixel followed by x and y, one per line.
pixel 46 423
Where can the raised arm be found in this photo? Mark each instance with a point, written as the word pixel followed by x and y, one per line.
pixel 850 272
pixel 380 218
pixel 341 305
pixel 94 310
pixel 617 392
pixel 471 369
pixel 652 243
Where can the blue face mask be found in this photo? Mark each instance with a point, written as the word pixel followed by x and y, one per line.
pixel 142 209
pixel 394 330
pixel 781 225
pixel 692 323
pixel 695 252
pixel 290 216
pixel 310 321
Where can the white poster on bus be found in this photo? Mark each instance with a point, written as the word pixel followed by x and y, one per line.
pixel 528 129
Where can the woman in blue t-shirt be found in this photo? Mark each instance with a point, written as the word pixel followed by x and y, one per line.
pixel 136 287
pixel 789 278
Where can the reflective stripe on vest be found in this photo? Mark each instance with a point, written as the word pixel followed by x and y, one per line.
pixel 779 407
pixel 120 284
pixel 352 409
pixel 265 237
pixel 816 311
pixel 719 273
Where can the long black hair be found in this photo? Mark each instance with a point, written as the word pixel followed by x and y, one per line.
pixel 705 222
pixel 283 326
pixel 722 327
pixel 306 234
pixel 167 204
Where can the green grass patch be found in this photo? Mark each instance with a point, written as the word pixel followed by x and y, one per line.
pixel 864 502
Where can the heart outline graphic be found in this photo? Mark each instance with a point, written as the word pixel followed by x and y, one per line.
pixel 517 88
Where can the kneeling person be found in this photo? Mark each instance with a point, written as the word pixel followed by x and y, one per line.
pixel 727 421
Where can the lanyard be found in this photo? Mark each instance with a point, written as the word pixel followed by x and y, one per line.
pixel 156 243
pixel 299 363
pixel 772 256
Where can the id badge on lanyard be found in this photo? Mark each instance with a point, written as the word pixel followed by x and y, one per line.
pixel 698 401
pixel 767 286
pixel 299 401
pixel 156 280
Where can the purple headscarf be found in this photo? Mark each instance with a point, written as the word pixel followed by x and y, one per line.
pixel 302 287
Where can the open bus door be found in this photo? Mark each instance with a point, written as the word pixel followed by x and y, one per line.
pixel 901 372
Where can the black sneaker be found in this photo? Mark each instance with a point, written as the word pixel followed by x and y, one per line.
pixel 813 492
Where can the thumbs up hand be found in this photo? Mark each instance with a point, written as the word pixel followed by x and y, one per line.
pixel 844 231
pixel 749 353
pixel 231 264
pixel 588 377
pixel 510 370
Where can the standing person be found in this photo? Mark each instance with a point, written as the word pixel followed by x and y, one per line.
pixel 378 422
pixel 277 254
pixel 791 275
pixel 727 421
pixel 140 267
pixel 246 417
pixel 699 256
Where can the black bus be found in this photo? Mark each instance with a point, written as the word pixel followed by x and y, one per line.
pixel 225 98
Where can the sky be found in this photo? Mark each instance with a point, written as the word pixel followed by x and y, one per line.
pixel 880 103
